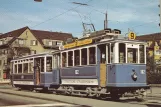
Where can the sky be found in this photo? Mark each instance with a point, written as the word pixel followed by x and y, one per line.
pixel 140 16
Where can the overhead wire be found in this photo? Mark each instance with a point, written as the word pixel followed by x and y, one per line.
pixel 58 15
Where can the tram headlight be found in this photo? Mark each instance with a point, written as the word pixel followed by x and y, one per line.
pixel 134 75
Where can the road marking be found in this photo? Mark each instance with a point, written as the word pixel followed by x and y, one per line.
pixel 44 105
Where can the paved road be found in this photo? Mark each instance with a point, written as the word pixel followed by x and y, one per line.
pixel 15 101
pixel 13 97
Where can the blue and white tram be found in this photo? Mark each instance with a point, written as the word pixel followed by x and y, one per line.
pixel 33 71
pixel 104 65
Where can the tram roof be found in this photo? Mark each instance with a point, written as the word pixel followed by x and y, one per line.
pixel 32 56
pixel 104 41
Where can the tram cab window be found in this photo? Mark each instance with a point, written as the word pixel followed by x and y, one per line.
pixel 142 53
pixel 64 59
pixel 19 68
pixel 77 57
pixel 84 56
pixel 132 56
pixel 92 55
pixel 103 53
pixel 70 58
pixel 25 68
pixel 48 64
pixel 122 51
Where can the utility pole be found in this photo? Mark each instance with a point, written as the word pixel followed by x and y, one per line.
pixel 105 21
pixel 160 13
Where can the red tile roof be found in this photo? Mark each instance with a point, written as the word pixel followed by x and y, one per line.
pixel 149 37
pixel 39 34
pixel 155 37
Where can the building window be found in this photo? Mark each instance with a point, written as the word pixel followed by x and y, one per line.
pixel 58 43
pixel 1 42
pixel 50 43
pixel 34 42
pixel 33 51
pixel 21 42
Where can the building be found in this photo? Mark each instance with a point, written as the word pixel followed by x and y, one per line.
pixel 25 41
pixel 153 48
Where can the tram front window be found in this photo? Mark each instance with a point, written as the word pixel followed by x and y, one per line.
pixel 132 55
pixel 122 53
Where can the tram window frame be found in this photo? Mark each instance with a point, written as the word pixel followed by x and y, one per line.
pixel 92 55
pixel 70 58
pixel 142 54
pixel 84 57
pixel 49 64
pixel 64 59
pixel 20 68
pixel 56 61
pixel 77 57
pixel 103 53
pixel 31 67
pixel 112 53
pixel 134 58
pixel 24 68
pixel 40 62
pixel 15 68
pixel 122 50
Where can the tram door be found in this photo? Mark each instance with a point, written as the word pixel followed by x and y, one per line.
pixel 39 67
pixel 103 70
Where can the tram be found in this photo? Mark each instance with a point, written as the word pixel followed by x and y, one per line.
pixel 102 64
pixel 33 71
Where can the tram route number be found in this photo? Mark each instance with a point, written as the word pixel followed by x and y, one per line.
pixel 131 36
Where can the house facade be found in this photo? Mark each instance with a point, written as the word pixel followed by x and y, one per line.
pixel 25 41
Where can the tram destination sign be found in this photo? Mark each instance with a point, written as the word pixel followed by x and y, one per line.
pixel 78 43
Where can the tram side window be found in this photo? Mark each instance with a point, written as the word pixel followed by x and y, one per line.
pixel 31 65
pixel 132 55
pixel 109 55
pixel 70 58
pixel 48 64
pixel 84 56
pixel 92 55
pixel 19 68
pixel 25 67
pixel 64 59
pixel 56 60
pixel 142 54
pixel 122 53
pixel 112 54
pixel 15 69
pixel 77 57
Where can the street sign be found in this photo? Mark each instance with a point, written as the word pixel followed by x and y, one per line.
pixel 131 36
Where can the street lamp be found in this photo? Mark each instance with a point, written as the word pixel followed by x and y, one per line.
pixel 38 0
